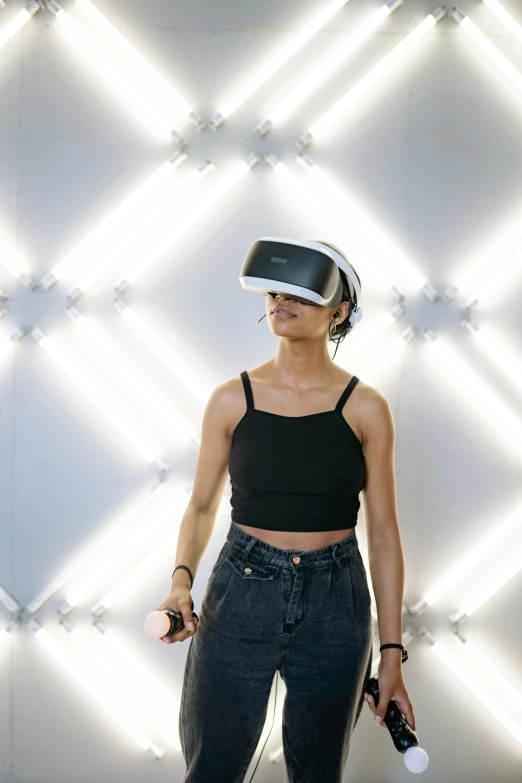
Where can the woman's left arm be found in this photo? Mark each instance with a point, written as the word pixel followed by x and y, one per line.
pixel 386 559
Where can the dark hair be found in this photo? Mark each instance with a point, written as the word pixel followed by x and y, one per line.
pixel 339 332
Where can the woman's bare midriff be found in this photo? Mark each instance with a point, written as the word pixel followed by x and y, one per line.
pixel 304 542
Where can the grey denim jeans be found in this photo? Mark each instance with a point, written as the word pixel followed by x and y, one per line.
pixel 306 614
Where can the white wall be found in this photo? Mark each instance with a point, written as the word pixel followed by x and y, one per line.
pixel 432 156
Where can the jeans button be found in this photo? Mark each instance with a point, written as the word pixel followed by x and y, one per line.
pixel 297 560
pixel 247 570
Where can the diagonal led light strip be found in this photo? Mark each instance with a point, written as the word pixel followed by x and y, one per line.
pixel 348 211
pixel 94 690
pixel 486 588
pixel 473 685
pixel 483 267
pixel 131 383
pixel 187 221
pixel 9 258
pixel 141 67
pixel 109 533
pixel 494 345
pixel 179 369
pixel 6 348
pixel 487 47
pixel 128 216
pixel 117 556
pixel 502 278
pixel 503 422
pixel 277 62
pixel 506 19
pixel 377 73
pixel 492 673
pixel 132 80
pixel 148 566
pixel 112 678
pixel 318 73
pixel 12 27
pixel 91 387
pixel 140 673
pixel 473 556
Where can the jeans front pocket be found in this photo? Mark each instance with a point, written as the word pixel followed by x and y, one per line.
pixel 248 570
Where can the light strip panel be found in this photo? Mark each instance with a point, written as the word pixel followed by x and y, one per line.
pixel 149 563
pixel 125 689
pixel 485 267
pixel 180 370
pixel 277 62
pixel 115 530
pixel 506 358
pixel 307 198
pixel 103 240
pixel 21 18
pixel 95 691
pixel 138 68
pixel 505 686
pixel 476 554
pixel 369 234
pixel 121 552
pixel 131 386
pixel 186 221
pixel 377 74
pixel 502 278
pixel 308 83
pixel 140 674
pixel 477 690
pixel 149 566
pixel 133 244
pixel 127 84
pixel 503 422
pixel 487 47
pixel 506 19
pixel 89 385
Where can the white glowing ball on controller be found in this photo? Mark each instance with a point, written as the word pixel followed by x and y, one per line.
pixel 416 759
pixel 157 624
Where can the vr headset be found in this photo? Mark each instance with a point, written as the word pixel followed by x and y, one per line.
pixel 306 269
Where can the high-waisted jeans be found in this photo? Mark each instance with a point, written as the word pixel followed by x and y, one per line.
pixel 306 614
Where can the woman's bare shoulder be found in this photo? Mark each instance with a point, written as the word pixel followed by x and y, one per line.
pixel 229 397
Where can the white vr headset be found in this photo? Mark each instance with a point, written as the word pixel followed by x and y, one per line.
pixel 305 269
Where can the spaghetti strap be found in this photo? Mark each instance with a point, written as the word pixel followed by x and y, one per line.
pixel 346 393
pixel 248 390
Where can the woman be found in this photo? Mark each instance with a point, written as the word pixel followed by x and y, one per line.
pixel 300 438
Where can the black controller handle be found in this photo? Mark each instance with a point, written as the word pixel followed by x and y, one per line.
pixel 176 620
pixel 401 733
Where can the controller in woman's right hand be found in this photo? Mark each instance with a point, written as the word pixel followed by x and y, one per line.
pixel 179 600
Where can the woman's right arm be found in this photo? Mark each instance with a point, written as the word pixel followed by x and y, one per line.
pixel 211 476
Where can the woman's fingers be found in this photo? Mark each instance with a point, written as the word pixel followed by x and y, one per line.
pixel 180 636
pixel 371 705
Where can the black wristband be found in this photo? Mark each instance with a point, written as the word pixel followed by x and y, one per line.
pixel 404 650
pixel 186 569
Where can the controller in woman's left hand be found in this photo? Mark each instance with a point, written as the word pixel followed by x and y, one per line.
pixel 391 686
pixel 371 705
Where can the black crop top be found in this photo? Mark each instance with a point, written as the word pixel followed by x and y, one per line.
pixel 296 473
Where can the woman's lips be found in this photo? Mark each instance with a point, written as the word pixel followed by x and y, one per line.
pixel 282 314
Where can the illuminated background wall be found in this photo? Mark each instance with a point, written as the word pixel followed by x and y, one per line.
pixel 143 147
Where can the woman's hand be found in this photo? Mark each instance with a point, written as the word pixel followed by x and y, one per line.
pixel 391 686
pixel 179 600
